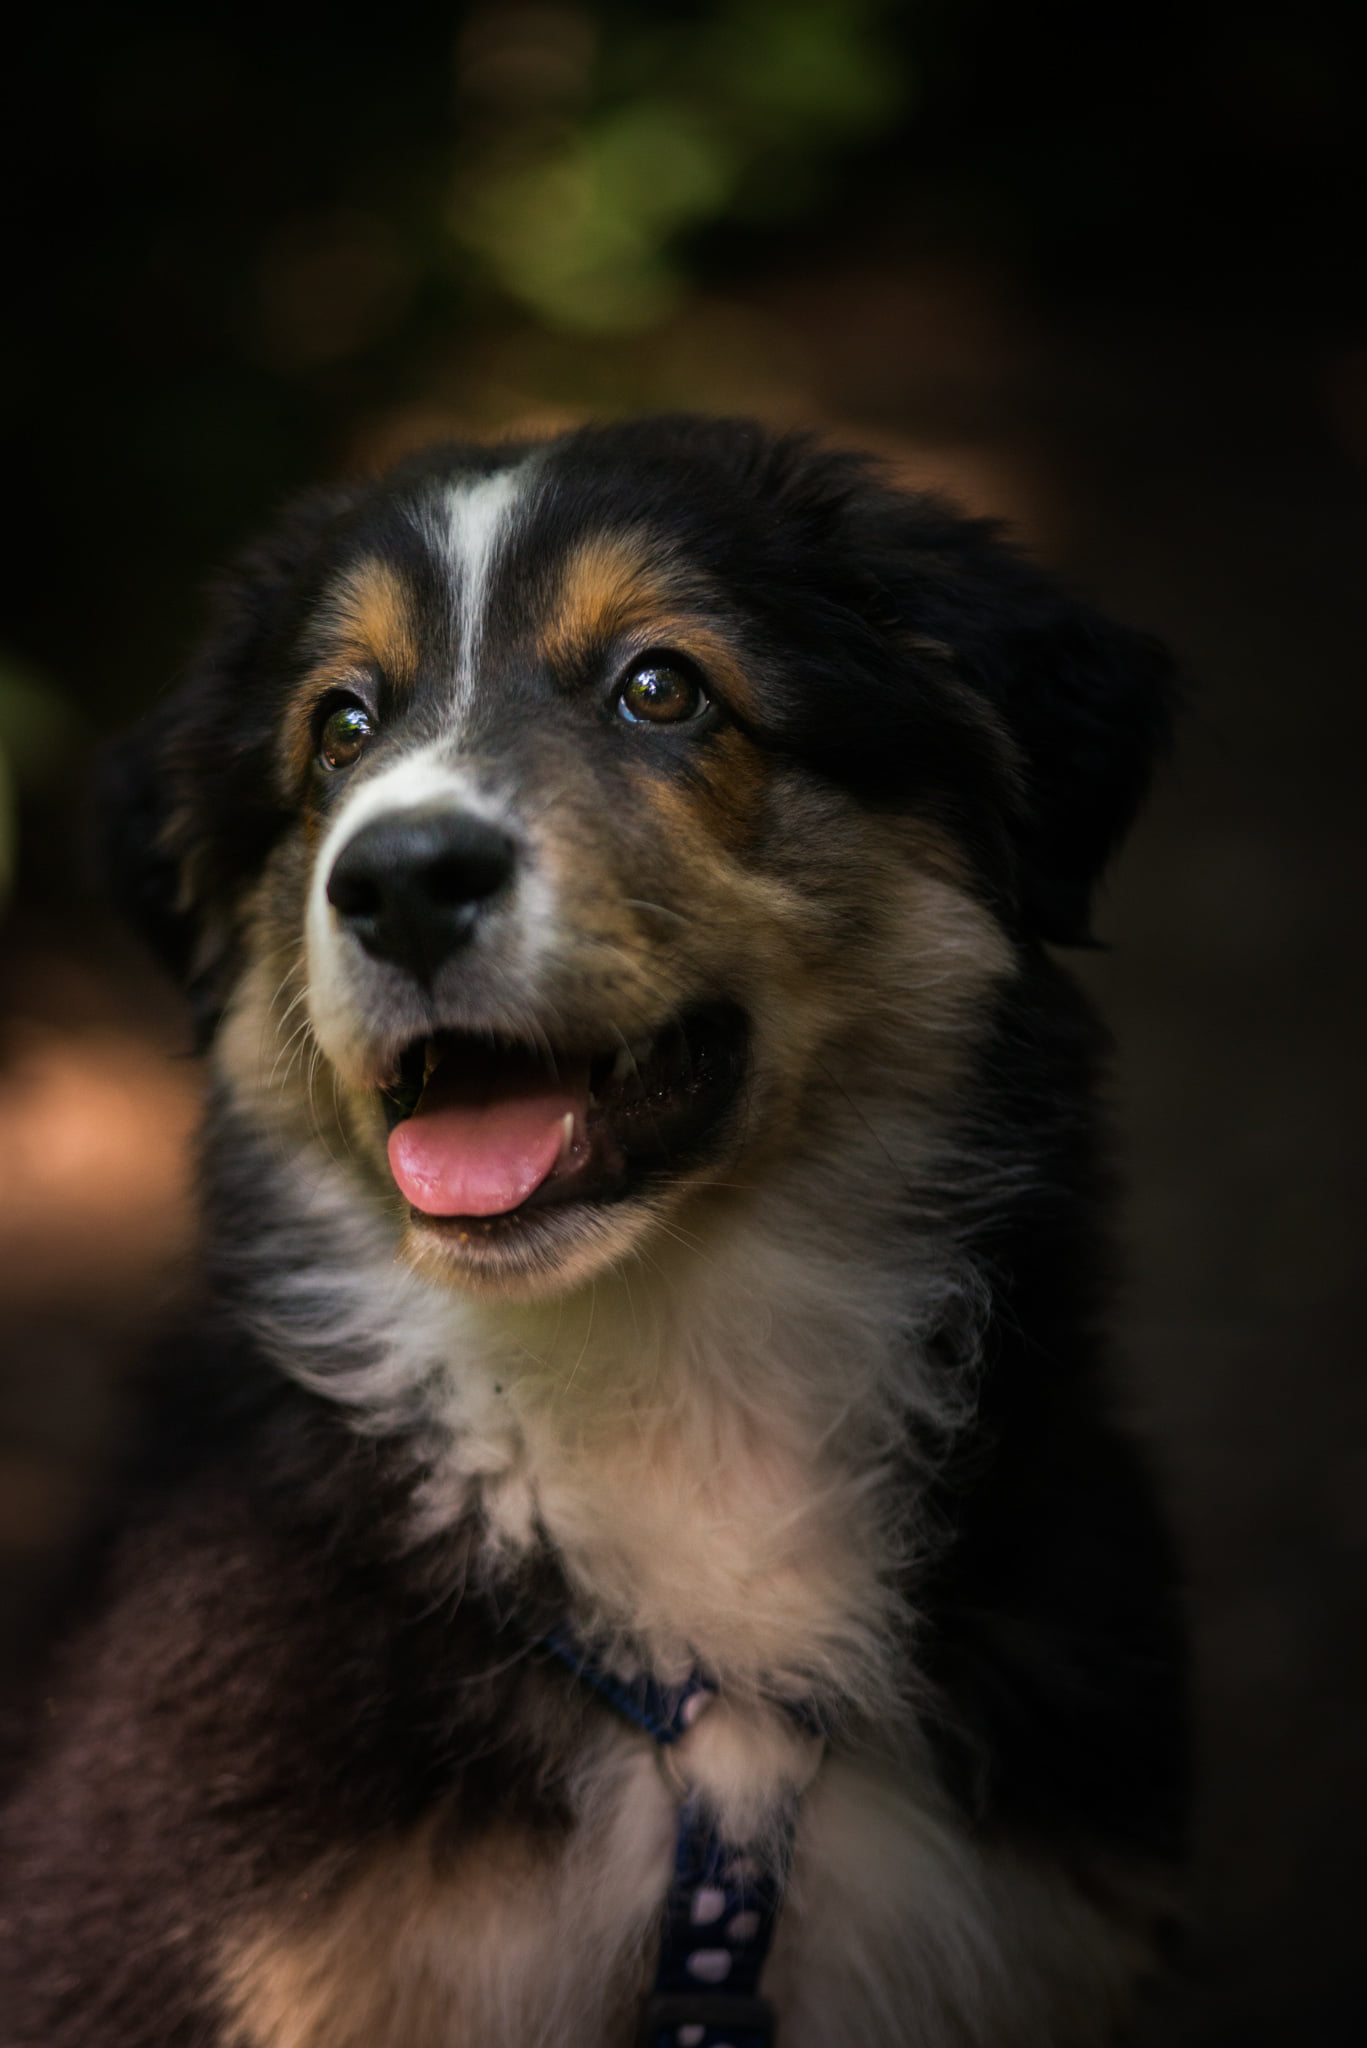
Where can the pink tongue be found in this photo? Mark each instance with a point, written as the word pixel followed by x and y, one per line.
pixel 485 1134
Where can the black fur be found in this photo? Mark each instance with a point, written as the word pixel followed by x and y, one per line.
pixel 280 1675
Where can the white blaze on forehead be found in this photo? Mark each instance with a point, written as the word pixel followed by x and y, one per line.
pixel 472 524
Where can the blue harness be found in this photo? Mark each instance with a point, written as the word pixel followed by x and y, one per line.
pixel 722 1904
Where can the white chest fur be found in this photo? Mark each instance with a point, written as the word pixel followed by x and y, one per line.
pixel 711 1463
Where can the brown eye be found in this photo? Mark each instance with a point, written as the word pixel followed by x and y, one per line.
pixel 657 693
pixel 345 732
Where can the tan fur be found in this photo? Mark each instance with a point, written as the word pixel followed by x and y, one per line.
pixel 873 960
pixel 265 1045
pixel 727 798
pixel 368 615
pixel 669 1415
pixel 898 1930
pixel 705 1399
pixel 366 622
pixel 607 589
pixel 508 1941
pixel 617 594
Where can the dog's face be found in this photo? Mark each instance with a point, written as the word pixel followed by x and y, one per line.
pixel 567 835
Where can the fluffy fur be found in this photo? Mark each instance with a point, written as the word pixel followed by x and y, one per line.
pixel 805 1389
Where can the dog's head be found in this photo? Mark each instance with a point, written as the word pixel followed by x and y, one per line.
pixel 561 833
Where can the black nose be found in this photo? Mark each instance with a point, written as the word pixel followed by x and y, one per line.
pixel 413 886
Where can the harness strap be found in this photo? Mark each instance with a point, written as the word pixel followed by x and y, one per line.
pixel 722 1904
pixel 665 1712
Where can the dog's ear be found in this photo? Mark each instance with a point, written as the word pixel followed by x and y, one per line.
pixel 1090 708
pixel 1085 706
pixel 188 805
pixel 140 871
pixel 1081 710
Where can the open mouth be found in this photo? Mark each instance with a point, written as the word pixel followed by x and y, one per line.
pixel 485 1131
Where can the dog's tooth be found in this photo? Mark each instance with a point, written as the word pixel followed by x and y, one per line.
pixel 566 1137
pixel 623 1065
pixel 429 1060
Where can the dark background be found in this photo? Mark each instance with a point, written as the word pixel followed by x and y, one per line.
pixel 1097 270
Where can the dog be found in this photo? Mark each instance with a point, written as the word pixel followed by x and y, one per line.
pixel 644 1554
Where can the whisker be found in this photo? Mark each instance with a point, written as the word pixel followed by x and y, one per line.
pixel 300 996
pixel 584 1347
pixel 660 909
pixel 689 1242
pixel 339 1116
pixel 315 1062
pixel 899 1171
pixel 296 1037
pixel 270 1022
pixel 739 1187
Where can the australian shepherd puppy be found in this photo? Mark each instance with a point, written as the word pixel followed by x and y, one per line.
pixel 644 1555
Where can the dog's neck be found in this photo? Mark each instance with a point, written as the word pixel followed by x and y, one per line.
pixel 714 1440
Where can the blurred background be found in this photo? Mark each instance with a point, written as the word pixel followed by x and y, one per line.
pixel 1096 270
